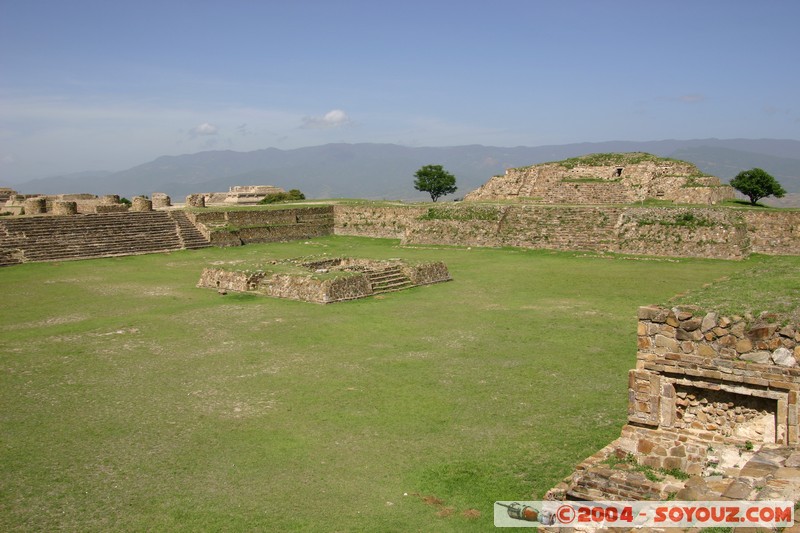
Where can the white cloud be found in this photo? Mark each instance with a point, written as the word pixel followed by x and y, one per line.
pixel 206 128
pixel 332 119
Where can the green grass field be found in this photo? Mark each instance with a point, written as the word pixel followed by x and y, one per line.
pixel 131 400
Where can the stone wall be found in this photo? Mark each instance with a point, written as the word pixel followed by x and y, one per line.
pixel 712 413
pixel 65 208
pixel 372 221
pixel 714 355
pixel 773 232
pixel 685 232
pixel 305 288
pixel 231 280
pixel 237 227
pixel 427 273
pixel 311 289
pixel 660 231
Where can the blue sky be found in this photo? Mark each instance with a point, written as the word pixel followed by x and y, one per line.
pixel 90 85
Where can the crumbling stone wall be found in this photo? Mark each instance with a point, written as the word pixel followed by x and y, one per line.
pixel 685 232
pixel 665 231
pixel 234 228
pixel 231 280
pixel 373 221
pixel 773 232
pixel 426 273
pixel 311 289
pixel 196 200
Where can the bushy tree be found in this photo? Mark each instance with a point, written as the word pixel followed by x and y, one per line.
pixel 276 197
pixel 756 184
pixel 435 180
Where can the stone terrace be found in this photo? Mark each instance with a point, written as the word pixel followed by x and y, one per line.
pixel 52 238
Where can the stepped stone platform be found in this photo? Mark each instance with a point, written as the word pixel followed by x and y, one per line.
pixel 605 179
pixel 60 238
pixel 325 280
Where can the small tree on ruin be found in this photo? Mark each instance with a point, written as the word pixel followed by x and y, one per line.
pixel 435 180
pixel 757 184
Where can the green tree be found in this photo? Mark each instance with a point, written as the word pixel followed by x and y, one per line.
pixel 756 184
pixel 435 180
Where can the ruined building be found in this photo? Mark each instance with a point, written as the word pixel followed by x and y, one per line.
pixel 605 179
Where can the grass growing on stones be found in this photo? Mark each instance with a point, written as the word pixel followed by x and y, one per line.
pixel 131 400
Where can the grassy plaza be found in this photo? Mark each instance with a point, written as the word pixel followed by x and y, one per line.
pixel 132 400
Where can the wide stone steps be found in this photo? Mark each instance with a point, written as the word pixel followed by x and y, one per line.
pixel 54 238
pixel 387 280
pixel 190 236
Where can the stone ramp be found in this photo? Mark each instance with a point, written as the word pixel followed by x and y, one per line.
pixel 60 238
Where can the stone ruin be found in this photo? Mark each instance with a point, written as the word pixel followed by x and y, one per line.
pixel 326 280
pixel 236 195
pixel 712 414
pixel 76 204
pixel 605 179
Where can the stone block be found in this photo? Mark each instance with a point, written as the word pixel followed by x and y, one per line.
pixel 761 332
pixel 666 342
pixel 674 462
pixel 756 357
pixel 705 350
pixel 783 357
pixel 691 324
pixel 678 451
pixel 652 313
pixel 645 446
pixel 709 322
pixel 743 346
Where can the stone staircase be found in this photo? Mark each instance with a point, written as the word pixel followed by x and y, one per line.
pixel 59 238
pixel 387 279
pixel 190 236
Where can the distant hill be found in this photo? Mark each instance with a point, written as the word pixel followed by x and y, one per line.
pixel 376 171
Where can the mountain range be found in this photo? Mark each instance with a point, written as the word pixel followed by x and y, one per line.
pixel 385 171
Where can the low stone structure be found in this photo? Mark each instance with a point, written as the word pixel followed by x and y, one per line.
pixel 195 200
pixel 160 200
pixel 616 178
pixel 141 204
pixel 65 208
pixel 240 195
pixel 238 227
pixel 327 280
pixel 35 206
pixel 712 414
